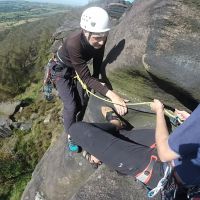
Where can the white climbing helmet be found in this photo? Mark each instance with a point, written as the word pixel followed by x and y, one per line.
pixel 95 20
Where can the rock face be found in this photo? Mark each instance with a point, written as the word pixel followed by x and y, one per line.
pixel 116 10
pixel 168 33
pixel 155 48
pixel 58 175
pixel 7 120
pixel 173 48
pixel 7 109
pixel 106 184
pixel 5 129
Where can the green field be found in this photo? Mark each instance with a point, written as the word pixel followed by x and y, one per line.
pixel 13 13
pixel 26 31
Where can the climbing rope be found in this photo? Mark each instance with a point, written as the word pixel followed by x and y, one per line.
pixel 166 111
pixel 84 86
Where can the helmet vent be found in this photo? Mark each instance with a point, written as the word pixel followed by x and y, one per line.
pixel 93 24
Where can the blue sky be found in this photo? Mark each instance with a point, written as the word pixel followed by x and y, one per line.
pixel 68 2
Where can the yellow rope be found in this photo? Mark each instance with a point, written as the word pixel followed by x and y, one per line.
pixel 168 113
pixel 84 86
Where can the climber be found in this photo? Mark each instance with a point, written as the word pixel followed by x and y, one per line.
pixel 135 153
pixel 79 48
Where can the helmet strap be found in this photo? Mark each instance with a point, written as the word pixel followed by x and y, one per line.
pixel 89 36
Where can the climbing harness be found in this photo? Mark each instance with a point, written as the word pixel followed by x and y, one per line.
pixel 169 192
pixel 174 191
pixel 49 81
pixel 161 184
pixel 194 193
pixel 145 175
pixel 52 68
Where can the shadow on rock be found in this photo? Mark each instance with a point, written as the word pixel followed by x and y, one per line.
pixel 183 96
pixel 111 57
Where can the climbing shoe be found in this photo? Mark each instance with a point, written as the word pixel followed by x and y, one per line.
pixel 115 119
pixel 72 146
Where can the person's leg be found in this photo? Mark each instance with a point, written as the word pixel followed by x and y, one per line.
pixel 81 101
pixel 105 127
pixel 125 156
pixel 118 154
pixel 66 93
pixel 144 137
